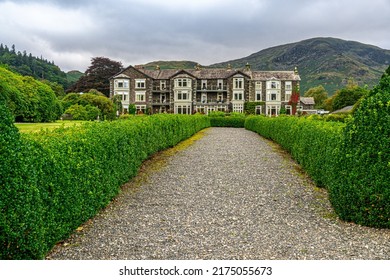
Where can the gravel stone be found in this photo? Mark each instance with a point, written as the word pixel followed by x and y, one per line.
pixel 230 195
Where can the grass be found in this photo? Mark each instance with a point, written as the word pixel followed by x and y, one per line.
pixel 36 127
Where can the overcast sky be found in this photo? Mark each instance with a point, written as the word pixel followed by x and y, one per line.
pixel 206 31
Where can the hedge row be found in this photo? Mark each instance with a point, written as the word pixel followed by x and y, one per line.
pixel 313 144
pixel 352 160
pixel 361 191
pixel 227 121
pixel 54 181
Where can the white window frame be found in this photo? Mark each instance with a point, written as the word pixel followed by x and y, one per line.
pixel 140 83
pixel 258 85
pixel 140 108
pixel 220 84
pixel 288 109
pixel 203 98
pixel 204 84
pixel 272 93
pixel 288 85
pixel 287 96
pixel 121 83
pixel 238 83
pixel 273 84
pixel 163 85
pixel 238 107
pixel 183 109
pixel 182 95
pixel 140 96
pixel 182 83
pixel 238 95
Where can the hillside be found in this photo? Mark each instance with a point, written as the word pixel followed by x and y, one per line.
pixel 29 65
pixel 171 64
pixel 326 61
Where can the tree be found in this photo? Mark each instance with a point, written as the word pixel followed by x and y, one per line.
pixel 294 100
pixel 348 96
pixel 97 76
pixel 319 94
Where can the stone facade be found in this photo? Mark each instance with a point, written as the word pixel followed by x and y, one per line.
pixel 187 91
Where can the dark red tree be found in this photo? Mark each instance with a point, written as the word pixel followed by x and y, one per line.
pixel 97 75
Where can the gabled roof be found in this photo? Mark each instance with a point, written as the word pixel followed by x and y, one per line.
pixel 307 100
pixel 278 75
pixel 215 73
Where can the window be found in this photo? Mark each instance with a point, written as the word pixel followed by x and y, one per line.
pixel 183 109
pixel 204 84
pixel 220 84
pixel 141 109
pixel 239 108
pixel 288 85
pixel 121 83
pixel 273 96
pixel 287 96
pixel 258 85
pixel 140 96
pixel 140 83
pixel 288 110
pixel 163 85
pixel 238 95
pixel 273 110
pixel 273 85
pixel 258 110
pixel 123 95
pixel 258 95
pixel 219 97
pixel 238 83
pixel 183 83
pixel 182 95
pixel 204 98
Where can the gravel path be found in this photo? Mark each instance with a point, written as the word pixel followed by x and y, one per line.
pixel 230 195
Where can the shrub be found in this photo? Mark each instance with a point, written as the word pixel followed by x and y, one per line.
pixel 227 121
pixel 361 191
pixel 311 143
pixel 53 181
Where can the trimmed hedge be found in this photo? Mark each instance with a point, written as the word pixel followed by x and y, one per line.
pixel 361 191
pixel 52 182
pixel 313 144
pixel 227 121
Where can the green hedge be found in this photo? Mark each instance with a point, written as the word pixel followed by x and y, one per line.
pixel 313 144
pixel 361 191
pixel 227 121
pixel 52 182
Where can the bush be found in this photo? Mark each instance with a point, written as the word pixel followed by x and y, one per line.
pixel 53 181
pixel 312 143
pixel 361 191
pixel 227 121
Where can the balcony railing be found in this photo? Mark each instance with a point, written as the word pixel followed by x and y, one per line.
pixel 158 88
pixel 211 88
pixel 210 101
pixel 160 102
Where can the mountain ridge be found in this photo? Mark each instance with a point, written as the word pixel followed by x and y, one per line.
pixel 326 61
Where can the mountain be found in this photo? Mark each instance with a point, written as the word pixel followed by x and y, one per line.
pixel 322 61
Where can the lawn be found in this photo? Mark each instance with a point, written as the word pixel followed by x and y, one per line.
pixel 36 127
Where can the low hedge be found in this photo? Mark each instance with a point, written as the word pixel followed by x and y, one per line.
pixel 52 182
pixel 227 121
pixel 313 144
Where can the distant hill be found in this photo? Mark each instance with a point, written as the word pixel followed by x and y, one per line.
pixel 171 64
pixel 73 76
pixel 322 61
pixel 29 65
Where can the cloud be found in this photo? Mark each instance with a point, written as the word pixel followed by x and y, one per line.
pixel 207 31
